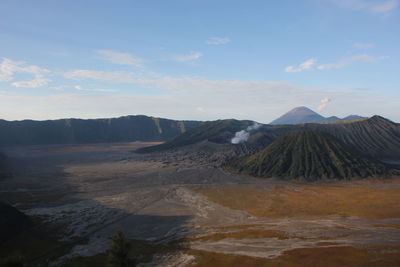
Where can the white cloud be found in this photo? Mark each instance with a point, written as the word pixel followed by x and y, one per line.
pixel 378 7
pixel 306 65
pixel 188 57
pixel 312 63
pixel 364 58
pixel 58 87
pixel 80 88
pixel 8 68
pixel 106 76
pixel 120 58
pixel 385 7
pixel 177 84
pixel 37 82
pixel 324 102
pixel 218 40
pixel 363 45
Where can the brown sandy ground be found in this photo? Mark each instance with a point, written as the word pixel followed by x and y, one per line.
pixel 178 212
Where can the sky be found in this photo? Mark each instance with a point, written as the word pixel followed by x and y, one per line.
pixel 198 59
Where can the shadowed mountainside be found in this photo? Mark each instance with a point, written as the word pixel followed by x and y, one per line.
pixel 12 221
pixel 70 131
pixel 375 137
pixel 309 155
pixel 220 131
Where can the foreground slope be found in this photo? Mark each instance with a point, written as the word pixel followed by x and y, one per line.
pixel 309 155
pixel 70 131
pixel 12 221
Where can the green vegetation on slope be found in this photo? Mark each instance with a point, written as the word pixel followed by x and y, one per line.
pixel 309 155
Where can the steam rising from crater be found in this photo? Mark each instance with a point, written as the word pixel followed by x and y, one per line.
pixel 243 135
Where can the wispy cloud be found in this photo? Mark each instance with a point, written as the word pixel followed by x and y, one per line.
pixel 59 53
pixel 218 40
pixel 306 65
pixel 121 58
pixel 179 84
pixel 106 76
pixel 8 69
pixel 384 7
pixel 80 88
pixel 364 58
pixel 58 87
pixel 363 45
pixel 378 7
pixel 190 57
pixel 324 102
pixel 312 63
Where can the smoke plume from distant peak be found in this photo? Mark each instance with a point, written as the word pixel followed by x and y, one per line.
pixel 324 102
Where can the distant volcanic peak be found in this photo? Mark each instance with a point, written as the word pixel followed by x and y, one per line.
pixel 353 117
pixel 297 116
pixel 332 118
pixel 309 155
pixel 300 115
pixel 302 110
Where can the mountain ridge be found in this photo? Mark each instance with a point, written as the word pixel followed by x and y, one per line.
pixel 69 131
pixel 309 155
pixel 375 137
pixel 304 114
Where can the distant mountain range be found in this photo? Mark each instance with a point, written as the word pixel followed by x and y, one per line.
pixel 311 151
pixel 332 147
pixel 75 131
pixel 305 115
pixel 375 136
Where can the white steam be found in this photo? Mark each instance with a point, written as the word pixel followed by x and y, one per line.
pixel 324 102
pixel 243 135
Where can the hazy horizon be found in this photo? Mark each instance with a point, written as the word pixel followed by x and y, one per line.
pixel 127 115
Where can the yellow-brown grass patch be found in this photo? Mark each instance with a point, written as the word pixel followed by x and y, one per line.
pixel 388 225
pixel 362 200
pixel 240 226
pixel 322 256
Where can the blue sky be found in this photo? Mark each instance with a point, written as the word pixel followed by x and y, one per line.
pixel 198 59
